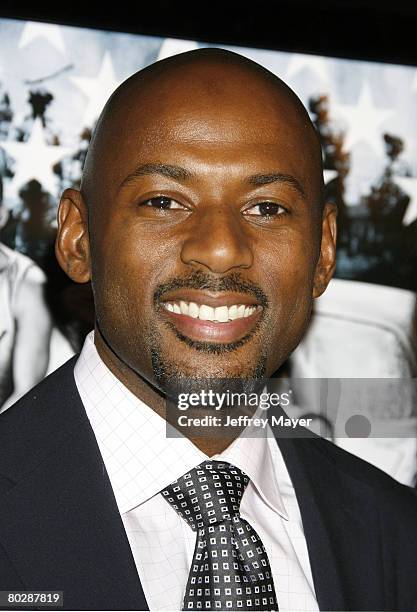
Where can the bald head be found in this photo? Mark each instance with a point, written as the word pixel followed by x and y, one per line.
pixel 196 88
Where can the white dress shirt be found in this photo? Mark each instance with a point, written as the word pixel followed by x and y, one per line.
pixel 141 461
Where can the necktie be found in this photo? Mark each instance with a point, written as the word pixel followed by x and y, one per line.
pixel 230 568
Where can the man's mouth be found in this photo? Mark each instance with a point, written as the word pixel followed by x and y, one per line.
pixel 208 317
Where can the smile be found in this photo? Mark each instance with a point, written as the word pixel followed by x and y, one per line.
pixel 220 314
pixel 223 319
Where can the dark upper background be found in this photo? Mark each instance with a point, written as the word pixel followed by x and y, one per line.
pixel 361 29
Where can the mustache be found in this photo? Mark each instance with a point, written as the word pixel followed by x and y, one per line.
pixel 201 280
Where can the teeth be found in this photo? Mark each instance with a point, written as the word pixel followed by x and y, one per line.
pixel 184 307
pixel 221 314
pixel 206 313
pixel 193 310
pixel 233 312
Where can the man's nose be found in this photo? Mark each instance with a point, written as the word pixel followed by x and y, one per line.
pixel 218 241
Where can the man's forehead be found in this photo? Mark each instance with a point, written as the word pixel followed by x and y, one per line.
pixel 212 132
pixel 214 143
pixel 186 120
pixel 191 104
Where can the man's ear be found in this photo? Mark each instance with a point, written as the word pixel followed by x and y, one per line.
pixel 72 247
pixel 327 259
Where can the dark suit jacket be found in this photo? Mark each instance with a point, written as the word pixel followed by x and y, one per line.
pixel 60 528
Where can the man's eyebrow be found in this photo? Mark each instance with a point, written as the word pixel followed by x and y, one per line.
pixel 182 174
pixel 169 170
pixel 276 177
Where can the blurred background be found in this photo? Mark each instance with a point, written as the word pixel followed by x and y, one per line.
pixel 353 64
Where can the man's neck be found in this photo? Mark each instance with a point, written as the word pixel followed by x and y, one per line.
pixel 150 396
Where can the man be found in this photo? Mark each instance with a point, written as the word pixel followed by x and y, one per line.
pixel 25 324
pixel 201 225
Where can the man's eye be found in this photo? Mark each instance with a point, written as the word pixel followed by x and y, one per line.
pixel 162 203
pixel 266 209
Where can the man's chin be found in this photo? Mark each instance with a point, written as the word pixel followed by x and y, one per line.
pixel 173 377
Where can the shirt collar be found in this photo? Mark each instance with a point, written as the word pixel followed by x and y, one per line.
pixel 139 457
pixel 251 452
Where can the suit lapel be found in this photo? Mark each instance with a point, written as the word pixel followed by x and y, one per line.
pixel 337 522
pixel 72 517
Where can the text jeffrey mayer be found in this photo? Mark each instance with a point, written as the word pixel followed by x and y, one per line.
pixel 281 421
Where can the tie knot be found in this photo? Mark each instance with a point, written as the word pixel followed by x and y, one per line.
pixel 209 493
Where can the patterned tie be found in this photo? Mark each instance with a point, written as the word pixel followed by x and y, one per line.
pixel 230 568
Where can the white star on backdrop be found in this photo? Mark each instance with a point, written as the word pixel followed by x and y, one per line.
pixel 34 160
pixel 317 64
pixel 173 46
pixel 52 33
pixel 97 89
pixel 364 120
pixel 409 185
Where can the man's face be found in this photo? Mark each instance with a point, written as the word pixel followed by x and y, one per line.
pixel 204 234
